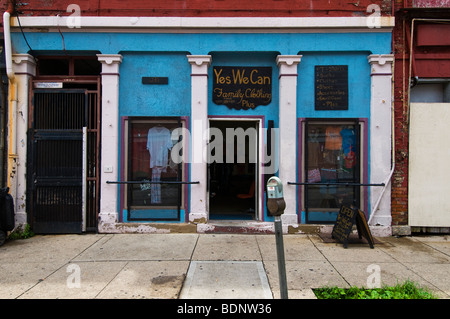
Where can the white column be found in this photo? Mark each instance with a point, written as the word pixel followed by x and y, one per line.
pixel 199 121
pixel 381 135
pixel 110 140
pixel 287 65
pixel 24 67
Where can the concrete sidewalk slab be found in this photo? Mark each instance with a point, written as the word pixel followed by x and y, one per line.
pixel 66 284
pixel 353 254
pixel 409 249
pixel 141 247
pixel 147 279
pixel 57 249
pixel 18 277
pixel 226 280
pixel 301 275
pixel 298 247
pixel 436 274
pixel 361 274
pixel 227 247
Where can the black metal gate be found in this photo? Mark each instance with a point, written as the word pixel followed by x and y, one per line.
pixel 59 190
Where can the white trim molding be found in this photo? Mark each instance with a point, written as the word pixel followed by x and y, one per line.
pixel 294 24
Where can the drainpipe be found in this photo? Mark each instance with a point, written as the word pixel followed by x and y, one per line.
pixel 12 103
pixel 7 38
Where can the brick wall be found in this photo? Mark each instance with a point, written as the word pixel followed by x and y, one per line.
pixel 399 194
pixel 212 8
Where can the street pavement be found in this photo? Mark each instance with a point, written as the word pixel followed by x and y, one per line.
pixel 224 266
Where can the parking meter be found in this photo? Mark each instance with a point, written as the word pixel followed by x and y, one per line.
pixel 275 200
pixel 275 207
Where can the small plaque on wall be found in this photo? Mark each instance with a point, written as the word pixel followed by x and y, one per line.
pixel 331 87
pixel 155 80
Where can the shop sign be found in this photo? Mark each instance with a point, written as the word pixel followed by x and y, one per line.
pixel 48 85
pixel 347 217
pixel 242 87
pixel 331 87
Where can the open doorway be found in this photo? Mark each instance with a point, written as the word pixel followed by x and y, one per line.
pixel 232 170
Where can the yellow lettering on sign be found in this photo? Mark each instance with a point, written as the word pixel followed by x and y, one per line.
pixel 221 79
pixel 239 77
pixel 257 79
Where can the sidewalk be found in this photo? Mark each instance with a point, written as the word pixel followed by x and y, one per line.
pixel 174 266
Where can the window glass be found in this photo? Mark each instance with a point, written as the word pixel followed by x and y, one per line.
pixel 332 156
pixel 149 145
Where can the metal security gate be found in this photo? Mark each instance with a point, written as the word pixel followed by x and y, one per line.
pixel 62 160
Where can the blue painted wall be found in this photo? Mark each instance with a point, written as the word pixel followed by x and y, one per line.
pixel 137 99
pixel 285 43
pixel 158 54
pixel 358 83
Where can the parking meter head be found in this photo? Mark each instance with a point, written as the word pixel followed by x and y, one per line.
pixel 275 200
pixel 274 188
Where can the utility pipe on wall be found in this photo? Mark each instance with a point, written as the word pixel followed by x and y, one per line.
pixel 12 102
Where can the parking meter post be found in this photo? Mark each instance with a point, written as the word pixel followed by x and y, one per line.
pixel 280 257
pixel 275 207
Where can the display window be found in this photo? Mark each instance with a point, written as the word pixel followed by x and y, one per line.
pixel 332 167
pixel 154 189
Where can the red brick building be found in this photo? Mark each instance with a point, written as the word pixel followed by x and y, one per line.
pixel 422 73
pixel 205 8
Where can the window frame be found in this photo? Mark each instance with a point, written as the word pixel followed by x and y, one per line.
pixel 125 171
pixel 302 170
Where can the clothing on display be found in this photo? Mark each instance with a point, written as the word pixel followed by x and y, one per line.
pixel 159 143
pixel 155 189
pixel 348 139
pixel 348 146
pixel 333 138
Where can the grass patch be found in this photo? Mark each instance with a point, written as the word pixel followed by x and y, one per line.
pixel 21 232
pixel 405 290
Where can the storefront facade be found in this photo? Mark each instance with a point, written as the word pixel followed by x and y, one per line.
pixel 195 114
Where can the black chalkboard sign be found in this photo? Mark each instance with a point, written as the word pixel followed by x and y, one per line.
pixel 344 223
pixel 155 80
pixel 242 87
pixel 363 227
pixel 331 87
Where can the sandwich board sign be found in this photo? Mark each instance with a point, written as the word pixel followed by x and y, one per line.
pixel 347 217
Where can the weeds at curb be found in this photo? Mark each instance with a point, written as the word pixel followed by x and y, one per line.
pixel 405 290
